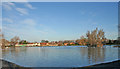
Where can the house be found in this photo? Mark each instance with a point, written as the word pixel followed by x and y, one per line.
pixel 72 43
pixel 38 44
pixel 18 45
pixel 43 44
pixel 30 44
pixel 65 44
pixel 35 44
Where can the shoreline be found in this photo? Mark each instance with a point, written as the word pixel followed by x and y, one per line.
pixel 64 46
pixel 113 64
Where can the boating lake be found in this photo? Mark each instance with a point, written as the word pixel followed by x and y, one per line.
pixel 60 56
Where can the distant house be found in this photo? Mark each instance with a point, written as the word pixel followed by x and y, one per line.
pixel 65 44
pixel 17 44
pixel 43 44
pixel 53 44
pixel 30 44
pixel 72 43
pixel 37 44
pixel 80 43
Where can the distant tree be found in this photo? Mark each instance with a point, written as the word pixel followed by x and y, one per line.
pixel 5 42
pixel 83 40
pixel 2 42
pixel 44 41
pixel 1 34
pixel 66 41
pixel 77 41
pixel 95 37
pixel 14 40
pixel 23 42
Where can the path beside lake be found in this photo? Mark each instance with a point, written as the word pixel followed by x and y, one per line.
pixel 10 65
pixel 114 64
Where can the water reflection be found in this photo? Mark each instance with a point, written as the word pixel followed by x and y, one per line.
pixel 59 56
pixel 96 54
pixel 14 52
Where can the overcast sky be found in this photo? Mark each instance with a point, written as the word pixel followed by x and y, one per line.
pixel 35 21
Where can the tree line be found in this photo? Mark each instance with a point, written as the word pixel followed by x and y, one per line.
pixel 93 38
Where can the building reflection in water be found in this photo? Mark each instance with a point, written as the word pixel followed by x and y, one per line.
pixel 15 52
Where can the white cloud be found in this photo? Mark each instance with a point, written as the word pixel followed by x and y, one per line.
pixel 29 6
pixel 27 30
pixel 7 20
pixel 14 0
pixel 8 5
pixel 22 11
pixel 29 22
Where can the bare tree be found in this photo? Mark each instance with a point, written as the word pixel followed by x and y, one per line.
pixel 95 37
pixel 0 38
pixel 14 40
pixel 2 41
pixel 1 35
pixel 83 40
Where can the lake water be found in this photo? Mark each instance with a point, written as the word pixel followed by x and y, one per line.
pixel 62 56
